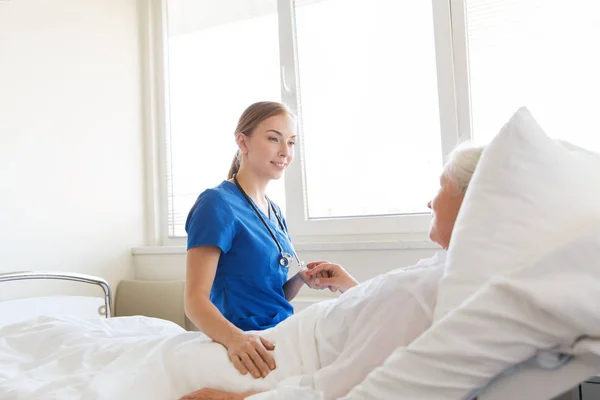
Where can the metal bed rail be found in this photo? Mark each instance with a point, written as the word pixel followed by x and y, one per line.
pixel 68 276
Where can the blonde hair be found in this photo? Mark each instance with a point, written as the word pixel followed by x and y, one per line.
pixel 461 164
pixel 249 120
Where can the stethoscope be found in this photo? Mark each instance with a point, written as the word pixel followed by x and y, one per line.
pixel 285 258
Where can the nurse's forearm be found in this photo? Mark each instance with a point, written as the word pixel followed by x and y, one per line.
pixel 292 287
pixel 209 320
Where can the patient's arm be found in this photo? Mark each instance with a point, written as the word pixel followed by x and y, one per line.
pixel 336 277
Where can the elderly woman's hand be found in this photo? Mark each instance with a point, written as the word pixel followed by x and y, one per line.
pixel 212 394
pixel 310 280
pixel 337 278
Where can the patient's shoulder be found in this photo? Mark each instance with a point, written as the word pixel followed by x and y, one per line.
pixel 414 281
pixel 422 268
pixel 438 259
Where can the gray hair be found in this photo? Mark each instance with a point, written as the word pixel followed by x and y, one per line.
pixel 461 163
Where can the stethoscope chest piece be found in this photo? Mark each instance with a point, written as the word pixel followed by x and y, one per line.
pixel 285 260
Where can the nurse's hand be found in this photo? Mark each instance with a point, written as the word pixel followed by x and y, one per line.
pixel 249 352
pixel 337 277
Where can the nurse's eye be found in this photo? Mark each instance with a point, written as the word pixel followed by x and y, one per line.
pixel 292 143
pixel 273 139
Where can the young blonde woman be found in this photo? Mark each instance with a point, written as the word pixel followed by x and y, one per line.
pixel 239 250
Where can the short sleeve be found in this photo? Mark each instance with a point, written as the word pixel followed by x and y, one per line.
pixel 210 222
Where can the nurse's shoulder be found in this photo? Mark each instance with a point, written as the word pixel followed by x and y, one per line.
pixel 216 199
pixel 211 221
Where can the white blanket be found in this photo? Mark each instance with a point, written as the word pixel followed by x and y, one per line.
pixel 124 358
pixel 327 348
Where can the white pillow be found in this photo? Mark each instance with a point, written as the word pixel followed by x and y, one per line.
pixel 529 194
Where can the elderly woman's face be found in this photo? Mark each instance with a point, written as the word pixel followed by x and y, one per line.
pixel 444 209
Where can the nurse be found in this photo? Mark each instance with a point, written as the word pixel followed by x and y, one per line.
pixel 239 250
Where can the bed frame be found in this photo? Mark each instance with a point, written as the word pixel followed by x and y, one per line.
pixel 68 276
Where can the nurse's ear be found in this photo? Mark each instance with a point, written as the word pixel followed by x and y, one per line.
pixel 242 141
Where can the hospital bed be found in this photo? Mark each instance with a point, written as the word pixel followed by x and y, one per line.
pixel 19 309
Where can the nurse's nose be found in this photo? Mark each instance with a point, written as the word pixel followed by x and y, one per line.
pixel 284 151
pixel 429 204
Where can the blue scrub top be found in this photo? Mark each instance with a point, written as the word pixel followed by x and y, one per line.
pixel 248 286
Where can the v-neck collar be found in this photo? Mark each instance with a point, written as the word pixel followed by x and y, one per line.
pixel 268 217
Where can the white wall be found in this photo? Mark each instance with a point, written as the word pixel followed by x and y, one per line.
pixel 71 169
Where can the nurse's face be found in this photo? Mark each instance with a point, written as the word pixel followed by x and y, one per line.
pixel 444 209
pixel 270 148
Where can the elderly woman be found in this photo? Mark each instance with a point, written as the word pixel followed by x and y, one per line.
pixel 337 343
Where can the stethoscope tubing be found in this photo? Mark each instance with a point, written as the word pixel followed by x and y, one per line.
pixel 285 258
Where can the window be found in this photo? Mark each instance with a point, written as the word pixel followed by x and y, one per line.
pixel 368 104
pixel 383 90
pixel 220 59
pixel 369 101
pixel 542 54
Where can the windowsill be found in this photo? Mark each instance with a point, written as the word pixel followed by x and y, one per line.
pixel 321 246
